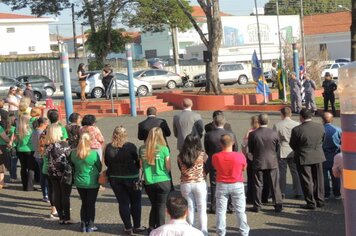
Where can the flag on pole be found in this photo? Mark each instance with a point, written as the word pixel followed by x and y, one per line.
pixel 281 79
pixel 262 86
pixel 301 77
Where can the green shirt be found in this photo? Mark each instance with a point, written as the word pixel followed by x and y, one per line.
pixel 158 172
pixel 25 144
pixel 2 142
pixel 45 165
pixel 86 171
pixel 64 132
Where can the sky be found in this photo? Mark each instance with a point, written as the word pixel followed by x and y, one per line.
pixel 64 24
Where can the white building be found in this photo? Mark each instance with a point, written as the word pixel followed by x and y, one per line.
pixel 22 34
pixel 240 38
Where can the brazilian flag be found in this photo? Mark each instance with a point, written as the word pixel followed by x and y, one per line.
pixel 281 79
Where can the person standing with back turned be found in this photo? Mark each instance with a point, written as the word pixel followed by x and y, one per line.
pixel 82 77
pixel 306 141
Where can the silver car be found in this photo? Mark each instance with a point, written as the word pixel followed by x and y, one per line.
pixel 95 87
pixel 159 78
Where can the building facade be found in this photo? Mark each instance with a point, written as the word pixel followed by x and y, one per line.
pixel 24 35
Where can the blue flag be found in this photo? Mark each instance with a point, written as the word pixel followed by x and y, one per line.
pixel 262 86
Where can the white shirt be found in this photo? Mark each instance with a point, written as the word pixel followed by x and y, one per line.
pixel 176 228
pixel 13 99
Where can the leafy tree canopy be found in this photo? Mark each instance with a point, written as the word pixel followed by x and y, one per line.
pixel 155 15
pixel 292 7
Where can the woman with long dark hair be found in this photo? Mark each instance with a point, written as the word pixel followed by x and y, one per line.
pixel 82 77
pixel 121 158
pixel 191 162
pixel 87 166
pixel 154 155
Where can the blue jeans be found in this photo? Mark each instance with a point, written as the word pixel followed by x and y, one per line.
pixel 237 193
pixel 43 180
pixel 196 194
pixel 12 162
pixel 129 201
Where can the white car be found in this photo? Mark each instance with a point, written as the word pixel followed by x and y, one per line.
pixel 229 73
pixel 95 87
pixel 332 69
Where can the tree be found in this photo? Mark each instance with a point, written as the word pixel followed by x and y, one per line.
pixel 100 15
pixel 157 15
pixel 292 7
pixel 211 9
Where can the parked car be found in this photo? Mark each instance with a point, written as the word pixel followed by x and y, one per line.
pixel 229 73
pixel 159 78
pixel 343 60
pixel 7 82
pixel 332 69
pixel 39 81
pixel 96 89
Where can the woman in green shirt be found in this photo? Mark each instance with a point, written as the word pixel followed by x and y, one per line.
pixel 11 149
pixel 154 155
pixel 4 140
pixel 87 166
pixel 25 152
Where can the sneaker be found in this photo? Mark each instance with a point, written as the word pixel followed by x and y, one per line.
pixel 139 230
pixel 92 229
pixel 338 197
pixel 53 215
pixel 128 231
pixel 13 180
pixel 45 199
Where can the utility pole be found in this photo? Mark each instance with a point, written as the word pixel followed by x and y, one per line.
pixel 175 44
pixel 260 47
pixel 74 33
pixel 83 41
pixel 353 31
pixel 302 35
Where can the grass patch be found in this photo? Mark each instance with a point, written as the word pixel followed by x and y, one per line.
pixel 318 100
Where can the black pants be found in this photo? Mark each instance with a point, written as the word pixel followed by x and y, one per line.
pixel 158 193
pixel 329 98
pixel 61 195
pixel 250 185
pixel 312 181
pixel 108 84
pixel 87 210
pixel 28 165
pixel 129 201
pixel 50 189
pixel 271 176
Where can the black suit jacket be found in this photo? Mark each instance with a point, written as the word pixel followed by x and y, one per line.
pixel 212 144
pixel 145 126
pixel 210 126
pixel 263 143
pixel 307 143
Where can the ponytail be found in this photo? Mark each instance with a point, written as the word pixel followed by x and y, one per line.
pixel 83 148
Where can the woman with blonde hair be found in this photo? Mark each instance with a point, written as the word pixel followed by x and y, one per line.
pixel 57 152
pixel 24 106
pixel 154 155
pixel 87 166
pixel 25 152
pixel 123 166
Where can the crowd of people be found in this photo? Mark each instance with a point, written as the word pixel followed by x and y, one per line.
pixel 62 156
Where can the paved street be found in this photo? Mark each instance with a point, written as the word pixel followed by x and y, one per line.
pixel 23 213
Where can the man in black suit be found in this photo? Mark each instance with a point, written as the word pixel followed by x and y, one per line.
pixel 307 143
pixel 212 146
pixel 263 144
pixel 152 121
pixel 210 126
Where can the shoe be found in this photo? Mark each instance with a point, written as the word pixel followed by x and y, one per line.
pixel 139 229
pixel 326 197
pixel 308 207
pixel 83 227
pixel 92 229
pixel 128 231
pixel 278 208
pixel 69 222
pixel 53 216
pixel 320 205
pixel 45 199
pixel 256 209
pixel 338 197
pixel 101 188
pixel 13 180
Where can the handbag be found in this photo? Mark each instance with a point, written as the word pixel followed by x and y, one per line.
pixel 103 178
pixel 67 177
pixel 138 184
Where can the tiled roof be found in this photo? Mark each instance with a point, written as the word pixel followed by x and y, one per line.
pixel 136 37
pixel 15 16
pixel 336 22
pixel 198 12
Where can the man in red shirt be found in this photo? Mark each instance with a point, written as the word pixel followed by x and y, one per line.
pixel 229 168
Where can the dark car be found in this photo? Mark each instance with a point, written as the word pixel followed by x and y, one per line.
pixel 40 82
pixel 7 82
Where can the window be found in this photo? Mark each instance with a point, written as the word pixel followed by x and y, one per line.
pixel 335 66
pixel 10 30
pixel 7 82
pixel 161 72
pixel 38 79
pixel 120 76
pixel 148 73
pixel 32 48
